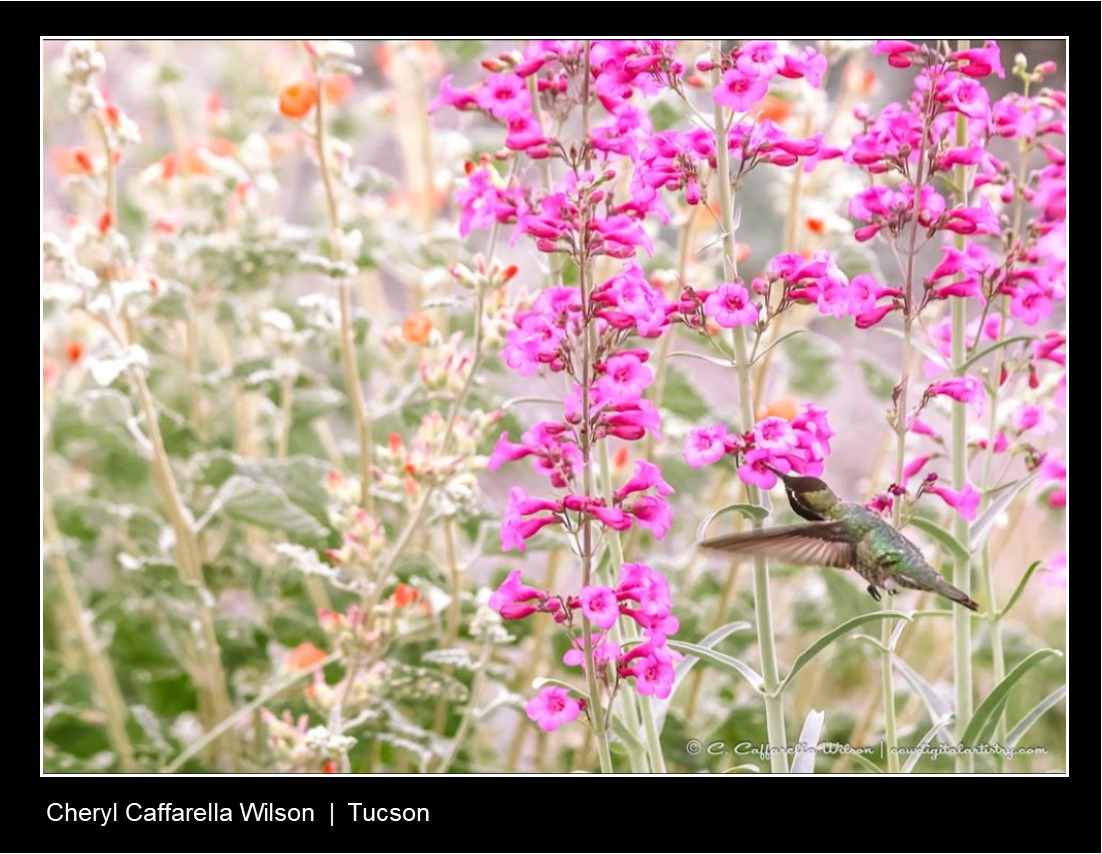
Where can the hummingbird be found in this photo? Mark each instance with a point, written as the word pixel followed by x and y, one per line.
pixel 846 536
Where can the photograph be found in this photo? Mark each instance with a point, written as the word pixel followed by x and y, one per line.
pixel 549 407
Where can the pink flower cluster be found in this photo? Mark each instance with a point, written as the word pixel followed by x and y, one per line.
pixel 641 595
pixel 799 446
pixel 642 500
pixel 820 281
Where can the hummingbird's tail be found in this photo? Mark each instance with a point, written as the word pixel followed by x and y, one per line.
pixel 950 592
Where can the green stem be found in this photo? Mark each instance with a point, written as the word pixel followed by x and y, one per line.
pixel 467 721
pixel 628 710
pixel 774 705
pixel 99 665
pixel 962 568
pixel 349 361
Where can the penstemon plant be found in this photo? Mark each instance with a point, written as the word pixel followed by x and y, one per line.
pixel 387 394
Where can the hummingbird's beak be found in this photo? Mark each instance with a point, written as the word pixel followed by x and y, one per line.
pixel 777 472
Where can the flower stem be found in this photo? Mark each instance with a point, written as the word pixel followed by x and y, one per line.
pixel 361 415
pixel 962 567
pixel 99 665
pixel 774 705
pixel 468 714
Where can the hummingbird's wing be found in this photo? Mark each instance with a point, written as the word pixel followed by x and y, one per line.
pixel 816 544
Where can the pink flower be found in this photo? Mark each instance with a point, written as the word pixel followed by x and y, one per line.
pixel 774 434
pixel 654 675
pixel 1030 417
pixel 980 61
pixel 504 96
pixel 898 52
pixel 461 99
pixel 506 452
pixel 739 90
pixel 962 389
pixel 552 708
pixel 759 59
pixel 600 606
pixel 513 590
pixel 604 651
pixel 730 305
pixel 705 445
pixel 653 513
pixel 755 470
pixel 625 378
pixel 965 502
pixel 1055 572
pixel 515 529
pixel 1030 304
pixel 646 475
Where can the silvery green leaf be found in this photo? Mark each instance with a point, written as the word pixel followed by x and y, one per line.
pixel 106 370
pixel 804 761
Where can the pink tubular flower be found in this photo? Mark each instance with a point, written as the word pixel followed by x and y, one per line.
pixel 653 513
pixel 604 651
pixel 625 378
pixel 756 471
pixel 739 90
pixel 515 529
pixel 646 475
pixel 552 708
pixel 504 96
pixel 705 445
pixel 962 389
pixel 980 61
pixel 1029 417
pixel 1055 572
pixel 512 590
pixel 898 52
pixel 730 305
pixel 965 502
pixel 600 606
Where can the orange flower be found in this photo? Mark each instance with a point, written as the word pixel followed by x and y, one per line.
pixel 71 161
pixel 404 595
pixel 816 225
pixel 74 352
pixel 431 61
pixel 782 407
pixel 621 458
pixel 742 252
pixel 297 99
pixel 416 328
pixel 304 656
pixel 773 108
pixel 338 88
pixel 329 766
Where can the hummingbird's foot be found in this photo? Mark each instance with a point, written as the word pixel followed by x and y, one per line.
pixel 874 593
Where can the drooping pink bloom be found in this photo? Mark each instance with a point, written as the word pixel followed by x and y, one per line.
pixel 980 61
pixel 965 502
pixel 552 708
pixel 1055 572
pixel 1030 303
pixel 962 389
pixel 513 590
pixel 604 651
pixel 653 513
pixel 646 475
pixel 1032 418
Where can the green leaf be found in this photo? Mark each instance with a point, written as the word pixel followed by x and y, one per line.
pixel 826 640
pixel 1020 589
pixel 932 733
pixel 879 383
pixel 936 705
pixel 951 544
pixel 808 743
pixel 1006 342
pixel 983 722
pixel 311 404
pixel 811 364
pixel 681 397
pixel 1033 715
pixel 74 734
pixel 682 668
pixel 752 512
pixel 982 526
pixel 725 662
pixel 106 406
pixel 301 477
pixel 264 505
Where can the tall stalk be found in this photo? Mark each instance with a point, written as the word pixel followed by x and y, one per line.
pixel 962 567
pixel 361 415
pixel 774 705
